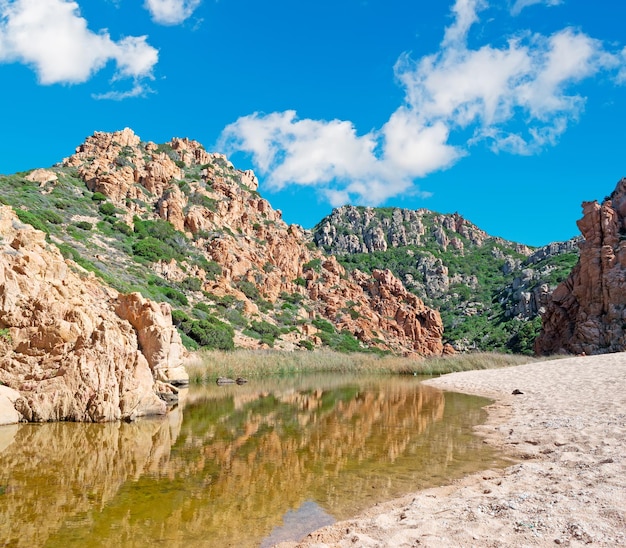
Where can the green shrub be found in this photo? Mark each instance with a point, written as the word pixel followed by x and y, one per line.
pixel 122 227
pixel 30 218
pixel 235 317
pixel 179 316
pixel 264 331
pixel 341 342
pixel 98 197
pixel 264 306
pixel 265 328
pixel 167 149
pixel 308 345
pixel 315 264
pixel 154 250
pixel 188 342
pixel 51 217
pixel 203 201
pixel 158 239
pixel 203 307
pixel 107 208
pixel 211 268
pixel 68 252
pixel 224 301
pixel 210 332
pixel 354 314
pixel 292 298
pixel 184 187
pixel 249 289
pixel 199 314
pixel 213 334
pixel 83 225
pixel 174 295
pixel 323 325
pixel 192 284
pixel 523 341
pixel 158 228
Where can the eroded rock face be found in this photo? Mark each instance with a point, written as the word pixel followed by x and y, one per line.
pixel 587 312
pixel 63 346
pixel 158 339
pixel 350 229
pixel 219 208
pixel 413 322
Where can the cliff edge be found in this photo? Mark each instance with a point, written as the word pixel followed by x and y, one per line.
pixel 587 312
pixel 72 349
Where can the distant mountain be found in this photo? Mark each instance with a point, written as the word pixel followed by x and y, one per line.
pixel 181 225
pixel 489 291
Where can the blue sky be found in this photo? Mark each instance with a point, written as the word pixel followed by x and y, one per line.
pixel 510 113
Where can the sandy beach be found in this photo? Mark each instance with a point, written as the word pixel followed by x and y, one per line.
pixel 566 434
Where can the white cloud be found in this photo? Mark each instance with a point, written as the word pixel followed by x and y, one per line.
pixel 171 12
pixel 528 81
pixel 519 5
pixel 307 152
pixel 138 90
pixel 415 148
pixel 52 38
pixel 621 75
pixel 465 15
pixel 331 156
pixel 517 98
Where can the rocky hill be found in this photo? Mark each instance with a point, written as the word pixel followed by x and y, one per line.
pixel 490 291
pixel 72 348
pixel 587 312
pixel 183 226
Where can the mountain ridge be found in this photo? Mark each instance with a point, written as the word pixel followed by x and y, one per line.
pixel 490 291
pixel 183 225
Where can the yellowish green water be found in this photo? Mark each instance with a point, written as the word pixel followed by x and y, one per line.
pixel 235 465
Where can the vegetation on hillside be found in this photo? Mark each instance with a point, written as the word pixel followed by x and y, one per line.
pixel 127 252
pixel 472 287
pixel 100 238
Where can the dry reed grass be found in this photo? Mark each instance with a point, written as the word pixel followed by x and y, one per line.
pixel 207 366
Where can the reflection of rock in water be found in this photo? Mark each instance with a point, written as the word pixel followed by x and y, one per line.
pixel 243 461
pixel 345 447
pixel 53 472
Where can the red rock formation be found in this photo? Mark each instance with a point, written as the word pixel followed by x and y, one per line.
pixel 234 226
pixel 63 347
pixel 587 312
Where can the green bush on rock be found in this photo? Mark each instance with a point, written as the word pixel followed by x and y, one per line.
pixel 210 333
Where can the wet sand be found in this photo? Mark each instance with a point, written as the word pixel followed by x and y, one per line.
pixel 566 434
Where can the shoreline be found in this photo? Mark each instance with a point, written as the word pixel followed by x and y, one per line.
pixel 566 433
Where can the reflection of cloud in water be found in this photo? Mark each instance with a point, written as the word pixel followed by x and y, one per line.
pixel 298 523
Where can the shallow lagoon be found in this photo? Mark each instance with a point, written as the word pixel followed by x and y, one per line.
pixel 236 465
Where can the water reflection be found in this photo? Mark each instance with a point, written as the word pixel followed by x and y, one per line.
pixel 238 466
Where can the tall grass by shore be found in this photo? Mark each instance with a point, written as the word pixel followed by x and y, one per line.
pixel 207 366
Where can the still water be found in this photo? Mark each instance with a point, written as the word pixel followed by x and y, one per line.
pixel 241 466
